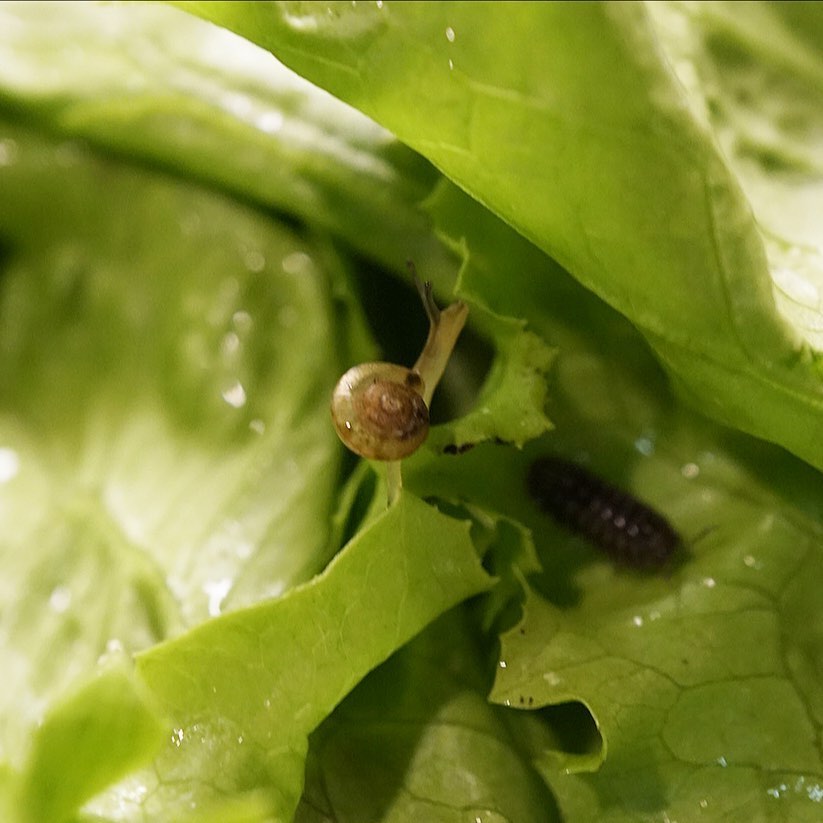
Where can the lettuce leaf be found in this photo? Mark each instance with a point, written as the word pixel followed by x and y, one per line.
pixel 700 684
pixel 635 198
pixel 418 741
pixel 192 240
pixel 166 484
pixel 157 86
pixel 246 690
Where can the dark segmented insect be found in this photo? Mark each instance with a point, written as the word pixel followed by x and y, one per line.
pixel 628 530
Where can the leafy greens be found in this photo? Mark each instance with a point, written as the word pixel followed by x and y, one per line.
pixel 207 612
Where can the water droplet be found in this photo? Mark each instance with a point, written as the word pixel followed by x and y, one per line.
pixel 451 64
pixel 254 260
pixel 502 664
pixel 235 395
pixel 750 561
pixel 257 426
pixel 637 620
pixel 815 793
pixel 237 104
pixel 379 4
pixel 60 599
pixel 8 152
pixel 9 465
pixel 298 262
pixel 704 804
pixel 709 582
pixel 216 591
pixel 766 523
pixel 114 646
pixel 177 737
pixel 270 122
pixel 450 34
pixel 230 344
pixel 645 445
pixel 242 321
pixel 690 470
pixel 240 739
pixel 721 761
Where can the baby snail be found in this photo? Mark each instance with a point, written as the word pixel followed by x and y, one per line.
pixel 381 410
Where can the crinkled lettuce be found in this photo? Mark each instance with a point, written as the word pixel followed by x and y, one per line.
pixel 207 611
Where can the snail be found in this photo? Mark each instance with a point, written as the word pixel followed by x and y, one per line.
pixel 381 410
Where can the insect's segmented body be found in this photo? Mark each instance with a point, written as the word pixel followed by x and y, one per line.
pixel 626 529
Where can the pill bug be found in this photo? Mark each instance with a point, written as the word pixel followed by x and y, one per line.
pixel 622 526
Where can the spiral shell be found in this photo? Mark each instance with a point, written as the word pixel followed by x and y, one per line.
pixel 379 412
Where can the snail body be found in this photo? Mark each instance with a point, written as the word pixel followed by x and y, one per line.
pixel 379 412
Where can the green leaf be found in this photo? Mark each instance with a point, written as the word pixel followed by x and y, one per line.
pixel 632 143
pixel 176 478
pixel 661 662
pixel 702 683
pixel 702 679
pixel 245 690
pixel 417 740
pixel 668 240
pixel 153 470
pixel 509 406
pixel 757 76
pixel 87 741
pixel 151 399
pixel 160 86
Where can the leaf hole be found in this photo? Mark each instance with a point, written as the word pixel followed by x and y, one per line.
pixel 573 728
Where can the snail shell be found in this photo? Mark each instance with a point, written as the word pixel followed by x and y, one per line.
pixel 379 411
